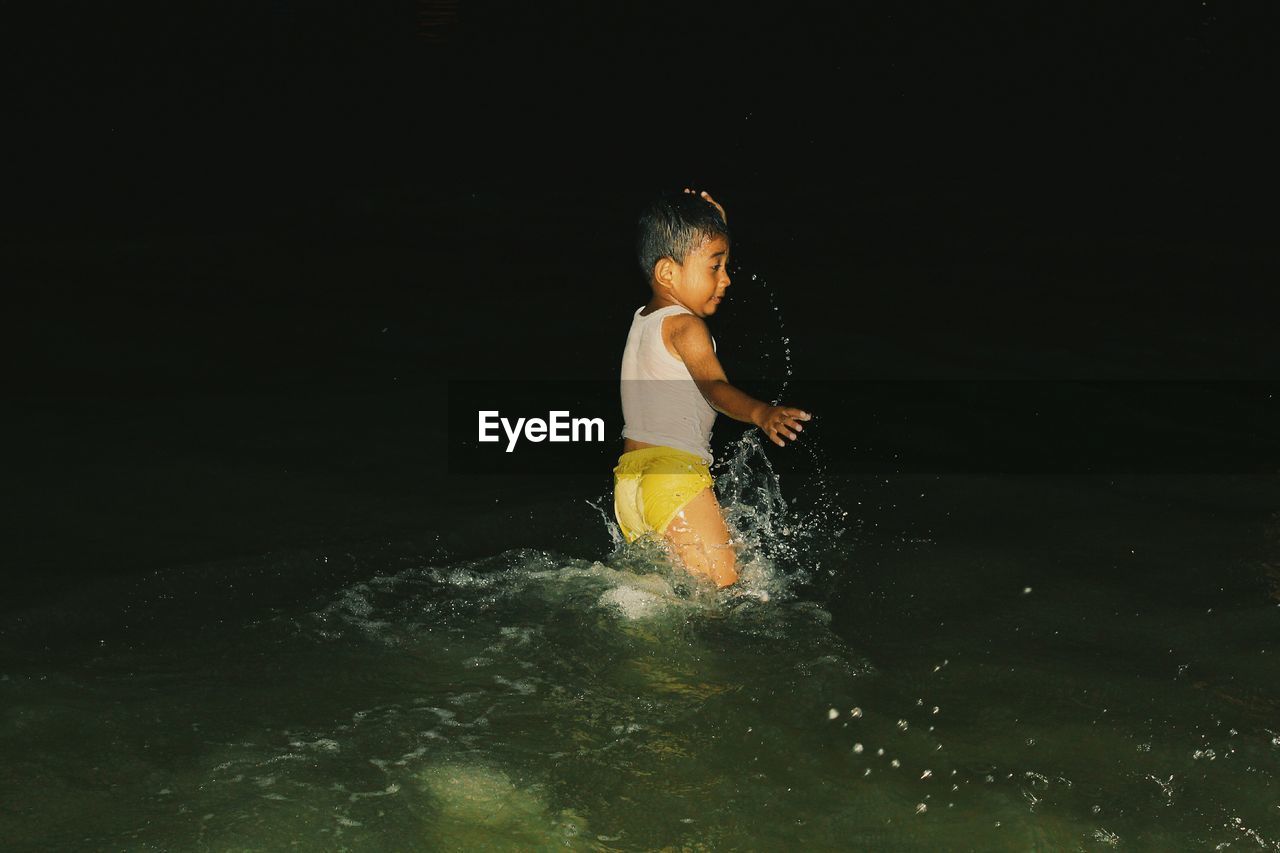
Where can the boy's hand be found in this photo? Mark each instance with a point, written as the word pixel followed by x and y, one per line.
pixel 706 195
pixel 781 422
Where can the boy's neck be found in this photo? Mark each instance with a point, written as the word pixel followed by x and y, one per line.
pixel 659 301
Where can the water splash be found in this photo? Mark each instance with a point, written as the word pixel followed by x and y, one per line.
pixel 610 524
pixel 788 368
pixel 786 537
pixel 750 490
pixel 750 493
pixel 779 545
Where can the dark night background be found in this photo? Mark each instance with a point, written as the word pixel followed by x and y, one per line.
pixel 253 242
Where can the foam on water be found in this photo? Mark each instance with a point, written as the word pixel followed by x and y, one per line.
pixel 453 696
pixel 635 582
pixel 479 807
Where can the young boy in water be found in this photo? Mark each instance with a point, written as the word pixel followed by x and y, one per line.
pixel 673 386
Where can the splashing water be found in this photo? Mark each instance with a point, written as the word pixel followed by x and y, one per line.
pixel 749 489
pixel 783 338
pixel 778 546
pixel 775 538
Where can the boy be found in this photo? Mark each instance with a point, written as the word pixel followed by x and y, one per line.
pixel 673 385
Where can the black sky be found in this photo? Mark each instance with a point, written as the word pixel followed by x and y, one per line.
pixel 252 193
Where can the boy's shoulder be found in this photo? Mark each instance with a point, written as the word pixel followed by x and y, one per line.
pixel 682 330
pixel 684 322
pixel 683 325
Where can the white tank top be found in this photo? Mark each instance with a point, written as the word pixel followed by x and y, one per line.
pixel 670 411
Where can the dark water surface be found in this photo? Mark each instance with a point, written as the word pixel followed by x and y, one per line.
pixel 269 621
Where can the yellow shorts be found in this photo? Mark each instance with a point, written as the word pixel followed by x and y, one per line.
pixel 651 485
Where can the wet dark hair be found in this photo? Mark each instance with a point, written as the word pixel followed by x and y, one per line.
pixel 673 225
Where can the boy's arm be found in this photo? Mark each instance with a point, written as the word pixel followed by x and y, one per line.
pixel 692 342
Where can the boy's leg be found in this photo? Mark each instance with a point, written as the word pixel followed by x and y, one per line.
pixel 700 538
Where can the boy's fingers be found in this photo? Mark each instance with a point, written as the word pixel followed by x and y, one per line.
pixel 781 431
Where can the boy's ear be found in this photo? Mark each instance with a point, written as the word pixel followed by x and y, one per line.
pixel 665 272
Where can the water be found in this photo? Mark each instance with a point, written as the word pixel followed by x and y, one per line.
pixel 910 663
pixel 264 622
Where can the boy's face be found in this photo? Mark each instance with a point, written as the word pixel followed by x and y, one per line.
pixel 700 282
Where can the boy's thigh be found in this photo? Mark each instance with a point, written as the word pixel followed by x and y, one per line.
pixel 700 538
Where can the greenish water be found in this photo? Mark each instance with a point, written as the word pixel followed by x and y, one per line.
pixel 1016 663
